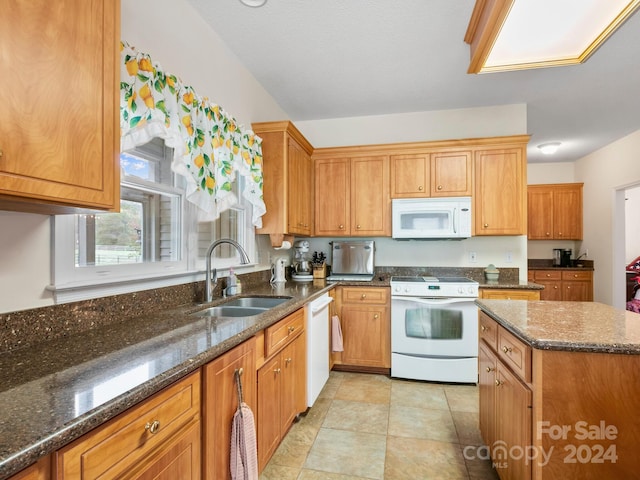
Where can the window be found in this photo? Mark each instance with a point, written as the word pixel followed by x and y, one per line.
pixel 155 235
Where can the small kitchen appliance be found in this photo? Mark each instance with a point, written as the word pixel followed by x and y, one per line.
pixel 431 218
pixel 557 257
pixel 434 329
pixel 352 260
pixel 278 270
pixel 302 268
pixel 565 260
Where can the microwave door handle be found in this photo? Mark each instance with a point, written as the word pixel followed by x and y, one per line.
pixel 455 211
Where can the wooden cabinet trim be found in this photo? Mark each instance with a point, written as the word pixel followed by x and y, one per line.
pixel 282 333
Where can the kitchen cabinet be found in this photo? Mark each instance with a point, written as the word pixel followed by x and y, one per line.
pixel 571 285
pixel 554 211
pixel 500 191
pixel 159 438
pixel 220 402
pixel 281 383
pixel 288 179
pixel 509 294
pixel 41 470
pixel 352 196
pixel 366 328
pixel 505 399
pixel 431 174
pixel 59 122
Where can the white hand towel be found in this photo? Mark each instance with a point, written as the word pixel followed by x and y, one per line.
pixel 336 335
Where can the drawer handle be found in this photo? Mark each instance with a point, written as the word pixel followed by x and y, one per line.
pixel 498 383
pixel 506 349
pixel 152 427
pixel 277 370
pixel 489 369
pixel 291 329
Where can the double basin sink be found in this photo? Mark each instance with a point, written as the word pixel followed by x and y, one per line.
pixel 242 307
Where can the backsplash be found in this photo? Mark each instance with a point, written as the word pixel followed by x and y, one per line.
pixel 28 327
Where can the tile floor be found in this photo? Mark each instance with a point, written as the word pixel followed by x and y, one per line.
pixel 373 427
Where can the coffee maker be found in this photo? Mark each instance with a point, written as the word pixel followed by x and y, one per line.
pixel 561 257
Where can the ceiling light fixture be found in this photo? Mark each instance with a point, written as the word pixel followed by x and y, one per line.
pixel 549 148
pixel 519 34
pixel 253 3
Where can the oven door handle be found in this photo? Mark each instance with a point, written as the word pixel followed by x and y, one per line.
pixel 437 301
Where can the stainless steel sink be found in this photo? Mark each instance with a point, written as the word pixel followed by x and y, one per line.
pixel 257 302
pixel 230 311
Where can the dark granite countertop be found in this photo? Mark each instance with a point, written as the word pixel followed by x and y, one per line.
pixel 56 391
pixel 511 285
pixel 571 326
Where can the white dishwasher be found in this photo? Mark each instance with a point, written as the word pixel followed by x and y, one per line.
pixel 317 346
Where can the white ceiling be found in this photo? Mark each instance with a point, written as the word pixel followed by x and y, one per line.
pixel 344 58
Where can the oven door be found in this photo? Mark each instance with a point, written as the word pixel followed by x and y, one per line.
pixel 434 327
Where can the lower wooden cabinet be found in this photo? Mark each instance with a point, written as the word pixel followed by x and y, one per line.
pixel 366 325
pixel 159 438
pixel 220 402
pixel 41 470
pixel 281 387
pixel 505 404
pixel 509 294
pixel 565 285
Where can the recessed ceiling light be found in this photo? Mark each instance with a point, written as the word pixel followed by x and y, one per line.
pixel 549 148
pixel 253 3
pixel 519 34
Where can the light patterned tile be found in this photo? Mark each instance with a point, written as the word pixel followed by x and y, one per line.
pixel 316 475
pixel 279 472
pixel 315 415
pixel 358 417
pixel 418 394
pixel 467 427
pixel 412 458
pixel 293 449
pixel 422 423
pixel 365 388
pixel 348 453
pixel 462 398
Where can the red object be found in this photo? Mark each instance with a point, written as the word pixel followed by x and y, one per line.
pixel 634 266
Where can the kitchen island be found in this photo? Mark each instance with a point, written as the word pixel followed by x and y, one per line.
pixel 560 389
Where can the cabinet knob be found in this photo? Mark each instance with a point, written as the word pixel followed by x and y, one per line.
pixel 357 227
pixel 291 329
pixel 376 316
pixel 277 370
pixel 341 227
pixel 548 275
pixel 287 360
pixel 547 234
pixel 152 427
pixel 575 275
pixel 439 187
pixel 489 369
pixel 498 383
pixel 555 287
pixel 559 234
pixel 363 296
pixel 483 328
pixel 506 349
pixel 239 371
pixel 420 187
pixel 486 225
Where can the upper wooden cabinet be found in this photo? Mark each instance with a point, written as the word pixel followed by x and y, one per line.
pixel 555 211
pixel 288 179
pixel 434 174
pixel 352 196
pixel 500 196
pixel 59 121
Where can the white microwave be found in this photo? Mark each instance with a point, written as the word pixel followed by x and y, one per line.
pixel 435 218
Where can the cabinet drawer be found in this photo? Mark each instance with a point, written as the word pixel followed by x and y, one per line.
pixel 577 275
pixel 488 330
pixel 278 335
pixel 123 442
pixel 515 354
pixel 369 295
pixel 510 294
pixel 548 275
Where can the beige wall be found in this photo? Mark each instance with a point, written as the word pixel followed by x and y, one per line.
pixel 606 173
pixel 188 48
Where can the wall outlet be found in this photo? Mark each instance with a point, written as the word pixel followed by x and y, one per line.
pixel 508 257
pixel 472 257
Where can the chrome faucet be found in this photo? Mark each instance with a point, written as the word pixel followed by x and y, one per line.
pixel 211 275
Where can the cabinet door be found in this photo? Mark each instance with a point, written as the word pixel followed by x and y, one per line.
pixel 487 393
pixel 294 393
pixel 41 470
pixel 577 291
pixel 552 290
pixel 370 202
pixel 332 197
pixel 513 426
pixel 500 195
pixel 59 133
pixel 510 294
pixel 410 176
pixel 269 401
pixel 567 212
pixel 180 458
pixel 300 180
pixel 539 213
pixel 451 174
pixel 366 337
pixel 221 402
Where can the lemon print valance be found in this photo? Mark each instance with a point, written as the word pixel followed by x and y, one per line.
pixel 210 148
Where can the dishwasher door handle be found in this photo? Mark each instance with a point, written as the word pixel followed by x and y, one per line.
pixel 317 307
